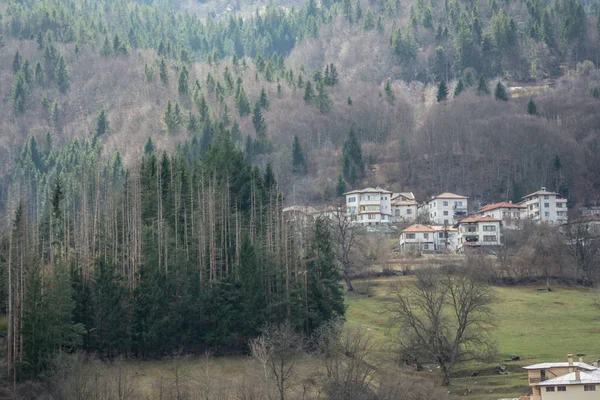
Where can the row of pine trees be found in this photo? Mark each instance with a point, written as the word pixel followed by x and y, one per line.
pixel 181 252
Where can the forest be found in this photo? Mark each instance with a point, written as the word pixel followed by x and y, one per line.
pixel 148 148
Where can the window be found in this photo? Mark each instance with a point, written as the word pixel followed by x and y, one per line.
pixel 458 203
pixel 445 222
pixel 547 205
pixel 409 211
pixel 489 238
pixel 351 199
pixel 425 247
pixel 546 214
pixel 441 235
pixel 562 388
pixel 589 388
pixel 410 235
pixel 549 388
pixel 515 215
pixel 546 197
pixel 445 204
pixel 489 228
pixel 435 213
pixel 371 216
pixel 426 236
pixel 559 205
pixel 445 213
pixel 397 213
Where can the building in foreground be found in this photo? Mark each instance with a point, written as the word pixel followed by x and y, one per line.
pixel 478 231
pixel 564 380
pixel 370 206
pixel 508 213
pixel 423 238
pixel 404 207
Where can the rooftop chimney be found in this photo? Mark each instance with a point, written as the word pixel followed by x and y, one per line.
pixel 595 363
pixel 577 375
pixel 543 187
pixel 580 357
pixel 570 360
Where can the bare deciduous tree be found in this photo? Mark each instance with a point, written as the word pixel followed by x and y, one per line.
pixel 444 319
pixel 345 235
pixel 277 350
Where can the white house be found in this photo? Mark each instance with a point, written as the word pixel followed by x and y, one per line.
pixel 369 206
pixel 419 238
pixel 508 213
pixel 446 208
pixel 404 207
pixel 476 231
pixel 545 206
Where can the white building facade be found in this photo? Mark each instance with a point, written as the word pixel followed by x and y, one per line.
pixel 545 206
pixel 508 213
pixel 370 206
pixel 404 207
pixel 422 238
pixel 446 208
pixel 478 231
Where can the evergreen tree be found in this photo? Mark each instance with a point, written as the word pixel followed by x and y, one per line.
pixel 532 107
pixel 299 166
pixel 359 12
pixel 149 146
pixel 340 188
pixel 353 166
pixel 333 76
pixel 482 86
pixel 63 77
pixel 347 10
pixel 460 87
pixel 500 92
pixel 148 73
pixel 323 102
pixel 39 74
pixel 102 124
pixel 163 72
pixel 169 118
pixel 106 50
pixel 325 298
pixel 252 291
pixel 20 94
pixel 192 123
pixel 27 73
pixel 258 121
pixel 50 58
pixel 242 103
pixel 17 61
pixel 183 84
pixel 442 93
pixel 309 94
pixel 389 92
pixel 369 22
pixel 263 100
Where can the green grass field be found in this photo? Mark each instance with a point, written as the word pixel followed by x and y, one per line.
pixel 538 326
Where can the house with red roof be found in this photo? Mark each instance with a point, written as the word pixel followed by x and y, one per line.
pixel 508 213
pixel 478 231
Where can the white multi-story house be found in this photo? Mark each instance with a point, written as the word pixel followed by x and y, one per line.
pixel 508 213
pixel 420 238
pixel 476 231
pixel 404 207
pixel 545 206
pixel 369 206
pixel 446 208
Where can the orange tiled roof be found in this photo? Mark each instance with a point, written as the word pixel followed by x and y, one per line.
pixel 448 195
pixel 478 218
pixel 502 204
pixel 418 228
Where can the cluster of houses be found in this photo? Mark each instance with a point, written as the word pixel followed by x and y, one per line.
pixel 446 223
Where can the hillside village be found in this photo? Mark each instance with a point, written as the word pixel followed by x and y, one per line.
pixel 447 221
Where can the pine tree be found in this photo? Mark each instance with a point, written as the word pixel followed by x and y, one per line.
pixel 340 188
pixel 192 124
pixel 442 93
pixel 532 107
pixel 183 84
pixel 299 166
pixel 482 87
pixel 63 77
pixel 39 74
pixel 149 146
pixel 55 116
pixel 258 121
pixel 50 58
pixel 347 10
pixel 389 92
pixel 263 100
pixel 323 102
pixel 309 94
pixel 26 70
pixel 369 22
pixel 102 124
pixel 353 166
pixel 163 72
pixel 20 94
pixel 460 87
pixel 16 63
pixel 169 118
pixel 500 92
pixel 359 12
pixel 242 103
pixel 148 73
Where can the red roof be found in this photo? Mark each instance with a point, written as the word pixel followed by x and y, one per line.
pixel 478 218
pixel 447 195
pixel 503 204
pixel 418 228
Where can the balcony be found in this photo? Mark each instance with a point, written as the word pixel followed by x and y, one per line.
pixel 533 381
